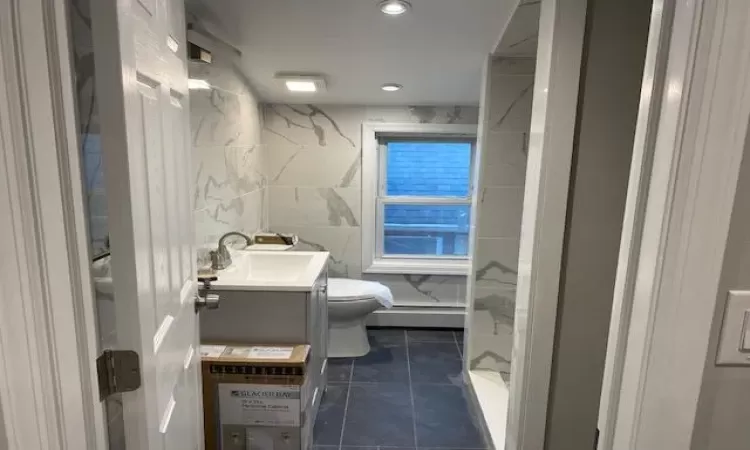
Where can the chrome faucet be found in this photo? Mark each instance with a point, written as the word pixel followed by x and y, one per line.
pixel 220 258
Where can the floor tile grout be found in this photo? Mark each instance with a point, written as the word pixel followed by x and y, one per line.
pixel 346 405
pixel 395 447
pixel 404 347
pixel 368 383
pixel 411 391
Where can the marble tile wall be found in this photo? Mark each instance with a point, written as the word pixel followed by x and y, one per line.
pixel 229 191
pixel 313 163
pixel 500 206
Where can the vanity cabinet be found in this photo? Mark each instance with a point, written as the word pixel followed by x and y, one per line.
pixel 276 317
pixel 318 335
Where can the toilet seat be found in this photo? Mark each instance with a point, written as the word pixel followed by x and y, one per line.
pixel 344 289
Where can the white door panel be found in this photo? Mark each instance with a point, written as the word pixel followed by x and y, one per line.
pixel 145 125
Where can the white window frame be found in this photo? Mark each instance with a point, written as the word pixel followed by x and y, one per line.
pixel 373 171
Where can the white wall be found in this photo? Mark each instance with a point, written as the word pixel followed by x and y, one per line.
pixel 612 72
pixel 724 404
pixel 3 434
pixel 313 165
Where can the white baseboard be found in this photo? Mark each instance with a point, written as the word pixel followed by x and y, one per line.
pixel 418 318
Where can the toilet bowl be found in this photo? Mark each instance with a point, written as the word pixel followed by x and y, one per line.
pixel 349 304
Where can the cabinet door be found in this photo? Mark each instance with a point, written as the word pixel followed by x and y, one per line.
pixel 323 311
pixel 313 331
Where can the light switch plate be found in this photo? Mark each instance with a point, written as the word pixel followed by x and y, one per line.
pixel 734 344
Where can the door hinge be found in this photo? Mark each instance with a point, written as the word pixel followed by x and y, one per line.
pixel 118 371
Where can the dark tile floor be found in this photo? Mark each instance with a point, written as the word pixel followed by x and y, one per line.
pixel 406 393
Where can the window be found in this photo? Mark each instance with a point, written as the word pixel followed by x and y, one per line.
pixel 417 198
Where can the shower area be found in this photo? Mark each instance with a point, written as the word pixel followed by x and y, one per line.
pixel 505 121
pixel 502 167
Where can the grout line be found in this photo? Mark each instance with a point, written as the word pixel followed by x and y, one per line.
pixel 386 383
pixel 411 391
pixel 460 350
pixel 346 406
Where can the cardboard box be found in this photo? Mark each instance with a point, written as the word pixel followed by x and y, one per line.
pixel 256 396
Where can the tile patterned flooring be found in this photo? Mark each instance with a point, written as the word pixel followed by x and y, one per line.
pixel 407 393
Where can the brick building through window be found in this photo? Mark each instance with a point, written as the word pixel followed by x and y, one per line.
pixel 432 173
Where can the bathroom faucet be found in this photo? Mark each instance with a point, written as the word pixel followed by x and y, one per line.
pixel 220 258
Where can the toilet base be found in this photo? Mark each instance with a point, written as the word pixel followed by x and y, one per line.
pixel 348 339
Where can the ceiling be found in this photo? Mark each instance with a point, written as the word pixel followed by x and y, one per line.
pixel 436 50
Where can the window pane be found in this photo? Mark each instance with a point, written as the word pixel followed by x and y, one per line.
pixel 428 169
pixel 439 230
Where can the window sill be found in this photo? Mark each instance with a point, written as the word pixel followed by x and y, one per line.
pixel 419 267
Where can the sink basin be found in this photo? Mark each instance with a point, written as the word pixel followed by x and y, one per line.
pixel 269 270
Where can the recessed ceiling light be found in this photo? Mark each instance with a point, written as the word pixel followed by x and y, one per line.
pixel 394 7
pixel 194 83
pixel 391 87
pixel 303 84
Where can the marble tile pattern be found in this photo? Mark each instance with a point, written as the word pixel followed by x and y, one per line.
pixel 499 209
pixel 402 394
pixel 521 36
pixel 313 163
pixel 230 187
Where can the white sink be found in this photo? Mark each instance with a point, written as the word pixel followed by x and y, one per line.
pixel 270 270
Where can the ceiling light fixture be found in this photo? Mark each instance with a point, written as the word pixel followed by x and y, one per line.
pixel 302 84
pixel 394 7
pixel 195 83
pixel 391 87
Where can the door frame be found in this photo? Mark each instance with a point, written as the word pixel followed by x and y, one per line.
pixel 669 282
pixel 48 342
pixel 562 25
pixel 654 78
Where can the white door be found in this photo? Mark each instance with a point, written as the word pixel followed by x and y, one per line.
pixel 143 102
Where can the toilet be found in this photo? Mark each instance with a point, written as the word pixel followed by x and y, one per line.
pixel 349 304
